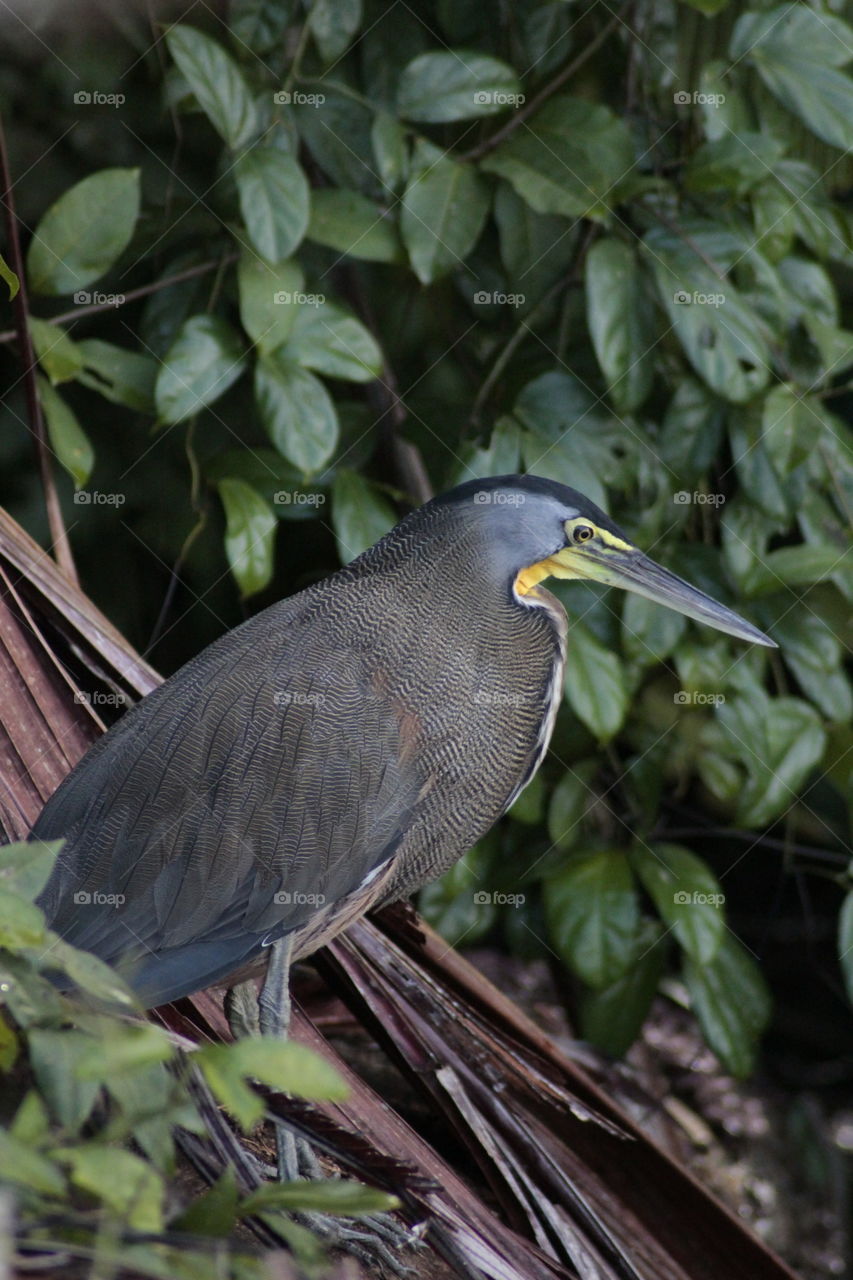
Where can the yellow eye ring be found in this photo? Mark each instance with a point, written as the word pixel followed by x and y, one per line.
pixel 582 533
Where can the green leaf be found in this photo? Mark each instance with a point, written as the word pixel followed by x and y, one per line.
pixel 390 149
pixel 25 867
pixel 350 223
pixel 794 567
pixel 333 24
pixel 620 322
pixel 54 1056
pixel 455 85
pixel 569 158
pixel 26 1168
pixel 330 341
pixel 121 1048
pixel 9 278
pixel 249 535
pixel 58 356
pixel 327 1195
pixel 269 299
pixel 360 516
pixel 776 742
pixel 121 376
pixel 796 51
pixel 217 83
pixel 815 655
pixel 201 364
pixel 91 974
pixel 535 247
pixel 274 200
pixel 687 896
pixel 734 163
pixel 789 426
pixel 592 914
pixel 258 26
pixel 297 412
pixel 595 683
pixel 845 943
pixel 456 905
pixel 214 1212
pixel 612 1017
pixel 732 1003
pixel 722 336
pixel 444 208
pixel 281 1064
pixel 691 432
pixel 123 1181
pixel 649 632
pixel 84 232
pixel 9 1047
pixel 570 799
pixel 67 439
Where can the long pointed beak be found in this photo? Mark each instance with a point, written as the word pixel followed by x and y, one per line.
pixel 634 571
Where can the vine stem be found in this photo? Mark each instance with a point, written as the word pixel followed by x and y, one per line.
pixel 569 70
pixel 58 533
pixel 96 308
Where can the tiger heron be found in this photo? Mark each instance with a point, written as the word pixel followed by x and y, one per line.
pixel 339 749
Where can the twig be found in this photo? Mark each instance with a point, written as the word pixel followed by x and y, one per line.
pixel 95 308
pixel 58 534
pixel 535 103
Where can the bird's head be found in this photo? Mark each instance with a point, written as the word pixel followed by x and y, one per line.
pixel 544 529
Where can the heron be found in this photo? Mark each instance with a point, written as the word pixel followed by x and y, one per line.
pixel 339 749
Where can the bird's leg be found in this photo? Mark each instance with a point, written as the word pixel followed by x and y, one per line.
pixel 378 1237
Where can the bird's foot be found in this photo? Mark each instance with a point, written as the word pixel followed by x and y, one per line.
pixel 378 1238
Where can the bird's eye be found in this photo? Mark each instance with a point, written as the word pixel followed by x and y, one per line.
pixel 583 532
